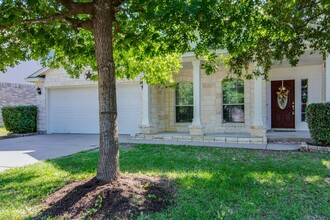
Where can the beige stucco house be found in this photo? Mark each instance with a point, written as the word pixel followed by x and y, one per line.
pixel 201 107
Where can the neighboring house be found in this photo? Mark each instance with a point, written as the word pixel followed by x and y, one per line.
pixel 14 90
pixel 200 104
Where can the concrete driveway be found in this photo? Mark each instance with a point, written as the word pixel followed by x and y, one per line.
pixel 16 152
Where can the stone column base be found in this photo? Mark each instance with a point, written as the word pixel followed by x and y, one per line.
pixel 257 131
pixel 195 130
pixel 148 129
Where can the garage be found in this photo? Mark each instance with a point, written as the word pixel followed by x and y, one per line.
pixel 75 109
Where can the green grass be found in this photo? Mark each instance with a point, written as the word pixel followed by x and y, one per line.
pixel 212 183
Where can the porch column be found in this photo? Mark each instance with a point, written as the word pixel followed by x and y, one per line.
pixel 327 79
pixel 146 125
pixel 196 128
pixel 258 102
pixel 257 127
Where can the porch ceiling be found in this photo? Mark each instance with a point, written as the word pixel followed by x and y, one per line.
pixel 305 59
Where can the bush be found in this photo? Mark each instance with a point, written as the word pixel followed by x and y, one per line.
pixel 20 119
pixel 318 119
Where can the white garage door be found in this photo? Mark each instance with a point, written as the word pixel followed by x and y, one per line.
pixel 75 110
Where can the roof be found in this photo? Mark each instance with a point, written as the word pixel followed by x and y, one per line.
pixel 39 75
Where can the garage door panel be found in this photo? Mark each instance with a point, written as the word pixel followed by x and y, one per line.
pixel 75 110
pixel 129 108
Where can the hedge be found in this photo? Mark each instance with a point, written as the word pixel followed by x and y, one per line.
pixel 20 119
pixel 318 119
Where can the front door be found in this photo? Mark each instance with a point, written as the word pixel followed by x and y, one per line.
pixel 283 104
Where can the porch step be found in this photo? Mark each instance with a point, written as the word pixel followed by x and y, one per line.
pixel 289 137
pixel 220 139
pixel 288 140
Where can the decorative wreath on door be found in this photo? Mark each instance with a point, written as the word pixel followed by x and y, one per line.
pixel 282 96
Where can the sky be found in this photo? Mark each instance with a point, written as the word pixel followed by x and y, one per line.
pixel 20 72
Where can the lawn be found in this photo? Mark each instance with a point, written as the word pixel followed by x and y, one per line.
pixel 212 183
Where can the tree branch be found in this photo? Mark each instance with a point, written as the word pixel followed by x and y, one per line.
pixel 74 8
pixel 306 22
pixel 85 24
pixel 79 7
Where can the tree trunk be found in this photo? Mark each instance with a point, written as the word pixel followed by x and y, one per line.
pixel 108 167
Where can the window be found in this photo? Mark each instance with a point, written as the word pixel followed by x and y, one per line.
pixel 233 101
pixel 304 98
pixel 184 102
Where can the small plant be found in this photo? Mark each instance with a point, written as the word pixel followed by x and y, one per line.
pixel 152 196
pixel 145 186
pixel 136 199
pixel 97 206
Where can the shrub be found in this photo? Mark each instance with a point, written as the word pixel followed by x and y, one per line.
pixel 20 119
pixel 318 119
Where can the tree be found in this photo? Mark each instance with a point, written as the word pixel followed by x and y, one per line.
pixel 80 34
pixel 263 32
pixel 123 38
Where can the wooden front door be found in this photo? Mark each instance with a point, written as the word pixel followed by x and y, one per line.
pixel 283 104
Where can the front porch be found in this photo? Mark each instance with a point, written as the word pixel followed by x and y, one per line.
pixel 271 137
pixel 212 109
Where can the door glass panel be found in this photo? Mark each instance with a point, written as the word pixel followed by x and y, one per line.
pixel 304 98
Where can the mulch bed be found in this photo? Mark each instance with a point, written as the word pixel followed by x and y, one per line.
pixel 126 198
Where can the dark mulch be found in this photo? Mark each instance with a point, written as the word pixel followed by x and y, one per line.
pixel 126 198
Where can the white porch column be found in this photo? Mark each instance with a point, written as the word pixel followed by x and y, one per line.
pixel 258 121
pixel 196 128
pixel 146 125
pixel 257 127
pixel 327 79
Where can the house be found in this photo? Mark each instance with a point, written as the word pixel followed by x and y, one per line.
pixel 14 90
pixel 201 107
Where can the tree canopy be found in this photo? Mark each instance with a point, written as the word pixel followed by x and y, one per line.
pixel 264 31
pixel 61 37
pixel 150 36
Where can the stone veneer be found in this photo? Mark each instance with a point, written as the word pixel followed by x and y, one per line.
pixel 219 138
pixel 12 94
pixel 304 147
pixel 162 114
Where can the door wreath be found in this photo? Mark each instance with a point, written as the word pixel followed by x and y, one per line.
pixel 282 96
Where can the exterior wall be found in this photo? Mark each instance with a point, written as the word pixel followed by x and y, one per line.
pixel 163 105
pixel 58 78
pixel 158 108
pixel 12 94
pixel 162 99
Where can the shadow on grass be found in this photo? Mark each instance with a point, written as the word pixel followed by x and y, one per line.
pixel 13 178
